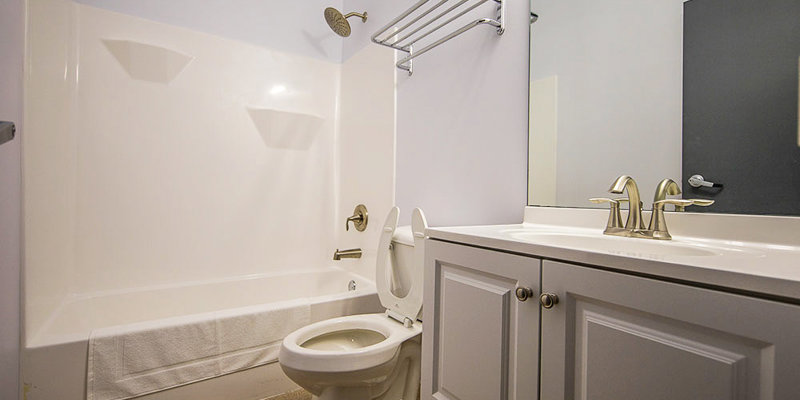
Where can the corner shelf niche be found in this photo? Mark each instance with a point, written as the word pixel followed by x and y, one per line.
pixel 286 129
pixel 145 62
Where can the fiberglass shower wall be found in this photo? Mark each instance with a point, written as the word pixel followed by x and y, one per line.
pixel 155 155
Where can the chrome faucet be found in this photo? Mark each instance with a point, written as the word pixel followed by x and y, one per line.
pixel 349 253
pixel 635 223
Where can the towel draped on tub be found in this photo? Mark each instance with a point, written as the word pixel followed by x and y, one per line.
pixel 136 359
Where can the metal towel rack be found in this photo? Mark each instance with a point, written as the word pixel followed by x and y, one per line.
pixel 417 22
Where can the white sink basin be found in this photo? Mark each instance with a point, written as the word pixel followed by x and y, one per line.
pixel 632 247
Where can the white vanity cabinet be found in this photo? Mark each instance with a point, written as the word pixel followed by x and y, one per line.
pixel 480 342
pixel 609 336
pixel 614 336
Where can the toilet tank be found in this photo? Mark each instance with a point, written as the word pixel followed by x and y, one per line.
pixel 402 258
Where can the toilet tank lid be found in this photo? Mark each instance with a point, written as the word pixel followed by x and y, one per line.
pixel 403 235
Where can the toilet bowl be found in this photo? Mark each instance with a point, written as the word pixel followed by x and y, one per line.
pixel 369 356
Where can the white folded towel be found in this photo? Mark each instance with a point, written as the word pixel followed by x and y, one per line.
pixel 132 360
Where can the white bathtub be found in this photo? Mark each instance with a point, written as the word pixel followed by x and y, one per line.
pixel 54 359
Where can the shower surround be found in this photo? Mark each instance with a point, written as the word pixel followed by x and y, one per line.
pixel 158 156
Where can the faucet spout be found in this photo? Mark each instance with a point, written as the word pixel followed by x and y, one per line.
pixel 349 253
pixel 665 188
pixel 626 183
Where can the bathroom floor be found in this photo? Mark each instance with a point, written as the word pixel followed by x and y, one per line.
pixel 299 394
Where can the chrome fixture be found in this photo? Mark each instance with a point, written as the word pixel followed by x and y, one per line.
pixel 7 131
pixel 349 253
pixel 698 181
pixel 634 227
pixel 338 22
pixel 351 286
pixel 359 219
pixel 635 223
pixel 390 35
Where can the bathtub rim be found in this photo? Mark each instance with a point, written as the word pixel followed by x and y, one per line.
pixel 41 339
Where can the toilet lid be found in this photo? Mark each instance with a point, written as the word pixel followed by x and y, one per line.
pixel 410 305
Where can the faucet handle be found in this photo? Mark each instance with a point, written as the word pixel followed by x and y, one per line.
pixel 601 200
pixel 675 202
pixel 614 223
pixel 681 204
pixel 701 202
pixel 359 219
pixel 658 224
pixel 696 202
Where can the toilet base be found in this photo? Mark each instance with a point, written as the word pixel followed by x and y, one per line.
pixel 400 382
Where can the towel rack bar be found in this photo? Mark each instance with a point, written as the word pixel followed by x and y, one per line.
pixel 394 22
pixel 442 25
pixel 414 20
pixel 418 24
pixel 400 64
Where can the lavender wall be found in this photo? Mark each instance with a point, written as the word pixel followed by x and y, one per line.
pixel 462 121
pixel 12 25
pixel 462 127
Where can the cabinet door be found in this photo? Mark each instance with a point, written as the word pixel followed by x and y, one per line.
pixel 480 342
pixel 616 337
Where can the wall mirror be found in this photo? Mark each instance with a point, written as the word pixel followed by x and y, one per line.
pixel 666 89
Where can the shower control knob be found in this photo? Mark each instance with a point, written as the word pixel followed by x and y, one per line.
pixel 524 293
pixel 548 300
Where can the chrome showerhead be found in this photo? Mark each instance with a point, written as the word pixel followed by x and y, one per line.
pixel 338 22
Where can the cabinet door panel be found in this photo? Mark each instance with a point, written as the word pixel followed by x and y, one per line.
pixel 623 354
pixel 474 323
pixel 616 336
pixel 479 341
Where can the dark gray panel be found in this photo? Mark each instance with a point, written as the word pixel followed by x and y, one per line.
pixel 7 131
pixel 740 92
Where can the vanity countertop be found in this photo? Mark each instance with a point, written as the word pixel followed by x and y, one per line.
pixel 744 253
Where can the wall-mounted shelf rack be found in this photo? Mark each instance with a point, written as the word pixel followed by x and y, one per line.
pixel 415 24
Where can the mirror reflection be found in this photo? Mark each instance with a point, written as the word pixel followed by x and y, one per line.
pixel 666 89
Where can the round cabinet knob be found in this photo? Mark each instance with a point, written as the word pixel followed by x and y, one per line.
pixel 548 300
pixel 524 293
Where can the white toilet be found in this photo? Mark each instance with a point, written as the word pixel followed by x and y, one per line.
pixel 369 356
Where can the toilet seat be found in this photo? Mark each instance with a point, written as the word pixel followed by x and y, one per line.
pixel 293 355
pixel 404 309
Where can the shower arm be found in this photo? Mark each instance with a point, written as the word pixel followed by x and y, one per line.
pixel 363 16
